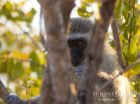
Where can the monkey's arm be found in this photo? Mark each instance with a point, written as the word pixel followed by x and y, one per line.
pixel 14 99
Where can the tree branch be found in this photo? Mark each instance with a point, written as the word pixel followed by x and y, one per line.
pixel 117 43
pixel 94 57
pixel 59 65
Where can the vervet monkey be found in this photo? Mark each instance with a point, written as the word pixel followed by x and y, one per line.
pixel 117 92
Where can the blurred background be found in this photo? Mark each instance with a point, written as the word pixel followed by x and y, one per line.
pixel 22 56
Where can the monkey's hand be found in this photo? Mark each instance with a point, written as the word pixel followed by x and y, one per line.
pixel 14 99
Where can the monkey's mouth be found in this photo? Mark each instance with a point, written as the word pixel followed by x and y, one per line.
pixel 77 62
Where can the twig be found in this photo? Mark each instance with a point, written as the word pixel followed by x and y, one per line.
pixel 117 43
pixel 120 73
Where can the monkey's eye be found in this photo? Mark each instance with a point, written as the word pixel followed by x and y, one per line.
pixel 77 43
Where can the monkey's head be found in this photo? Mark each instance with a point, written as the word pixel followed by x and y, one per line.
pixel 80 29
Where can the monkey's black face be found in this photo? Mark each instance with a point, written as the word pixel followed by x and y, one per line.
pixel 77 48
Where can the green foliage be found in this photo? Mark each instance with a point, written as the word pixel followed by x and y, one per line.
pixel 127 15
pixel 35 62
pixel 83 9
pixel 21 60
pixel 12 12
pixel 9 38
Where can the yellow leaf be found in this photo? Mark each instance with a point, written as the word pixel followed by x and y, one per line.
pixel 41 57
pixel 137 6
pixel 19 55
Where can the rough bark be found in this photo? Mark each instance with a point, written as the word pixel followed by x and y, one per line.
pixel 58 54
pixel 94 57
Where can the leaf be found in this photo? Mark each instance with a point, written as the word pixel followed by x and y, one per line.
pixel 137 6
pixel 17 71
pixel 84 13
pixel 29 16
pixel 133 45
pixel 8 6
pixel 42 58
pixel 34 61
pixel 19 55
pixel 9 38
